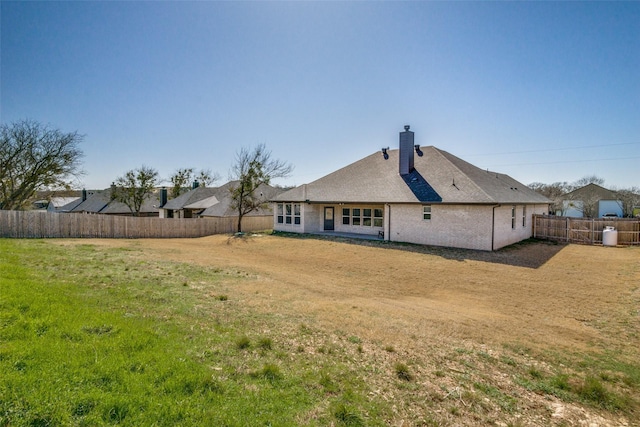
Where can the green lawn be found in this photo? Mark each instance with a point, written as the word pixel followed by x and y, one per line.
pixel 93 336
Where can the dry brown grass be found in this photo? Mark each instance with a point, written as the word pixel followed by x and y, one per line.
pixel 466 324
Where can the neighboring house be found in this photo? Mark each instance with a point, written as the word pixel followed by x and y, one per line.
pixel 591 201
pixel 190 204
pixel 63 204
pixel 100 202
pixel 214 202
pixel 93 201
pixel 149 207
pixel 415 194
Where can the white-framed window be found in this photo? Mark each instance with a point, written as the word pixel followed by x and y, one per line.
pixel 513 216
pixel 366 217
pixel 377 217
pixel 524 215
pixel 296 214
pixel 346 216
pixel 363 217
pixel 288 213
pixel 280 211
pixel 426 212
pixel 355 219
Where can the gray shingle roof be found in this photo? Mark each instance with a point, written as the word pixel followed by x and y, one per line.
pixel 590 191
pixel 149 205
pixel 191 197
pixel 376 180
pixel 96 201
pixel 100 202
pixel 223 208
pixel 216 201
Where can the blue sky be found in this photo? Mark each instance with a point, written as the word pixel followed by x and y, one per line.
pixel 542 91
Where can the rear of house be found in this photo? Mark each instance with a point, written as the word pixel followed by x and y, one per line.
pixel 414 194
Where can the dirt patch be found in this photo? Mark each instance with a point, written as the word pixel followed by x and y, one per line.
pixel 544 296
pixel 539 293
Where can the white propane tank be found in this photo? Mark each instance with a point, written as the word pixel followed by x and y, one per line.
pixel 609 236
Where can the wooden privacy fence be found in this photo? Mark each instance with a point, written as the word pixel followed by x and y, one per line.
pixel 585 230
pixel 35 224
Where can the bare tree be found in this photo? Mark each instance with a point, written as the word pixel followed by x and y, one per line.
pixel 628 199
pixel 205 177
pixel 132 188
pixel 588 179
pixel 180 179
pixel 33 157
pixel 588 205
pixel 553 192
pixel 252 169
pixel 183 176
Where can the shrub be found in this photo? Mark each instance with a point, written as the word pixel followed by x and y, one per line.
pixel 243 343
pixel 327 383
pixel 347 417
pixel 271 372
pixel 265 343
pixel 402 372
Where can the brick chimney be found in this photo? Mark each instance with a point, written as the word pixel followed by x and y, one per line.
pixel 406 151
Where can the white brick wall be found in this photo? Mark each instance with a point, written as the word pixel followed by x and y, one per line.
pixel 504 234
pixel 459 226
pixel 482 227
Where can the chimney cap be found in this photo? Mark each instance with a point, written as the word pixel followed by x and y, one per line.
pixel 407 127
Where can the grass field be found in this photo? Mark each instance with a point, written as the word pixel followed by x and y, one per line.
pixel 280 331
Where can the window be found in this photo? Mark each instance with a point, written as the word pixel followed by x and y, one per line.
pixel 426 212
pixel 363 217
pixel 287 209
pixel 288 213
pixel 346 216
pixel 296 214
pixel 513 217
pixel 366 217
pixel 377 217
pixel 280 213
pixel 356 216
pixel 524 216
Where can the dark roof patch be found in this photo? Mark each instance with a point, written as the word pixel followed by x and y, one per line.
pixel 420 187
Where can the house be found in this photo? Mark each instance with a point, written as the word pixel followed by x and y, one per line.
pixel 591 201
pixel 191 203
pixel 414 194
pixel 63 204
pixel 214 202
pixel 92 201
pixel 100 201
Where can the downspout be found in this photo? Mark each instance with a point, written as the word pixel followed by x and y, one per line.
pixel 493 226
pixel 388 237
